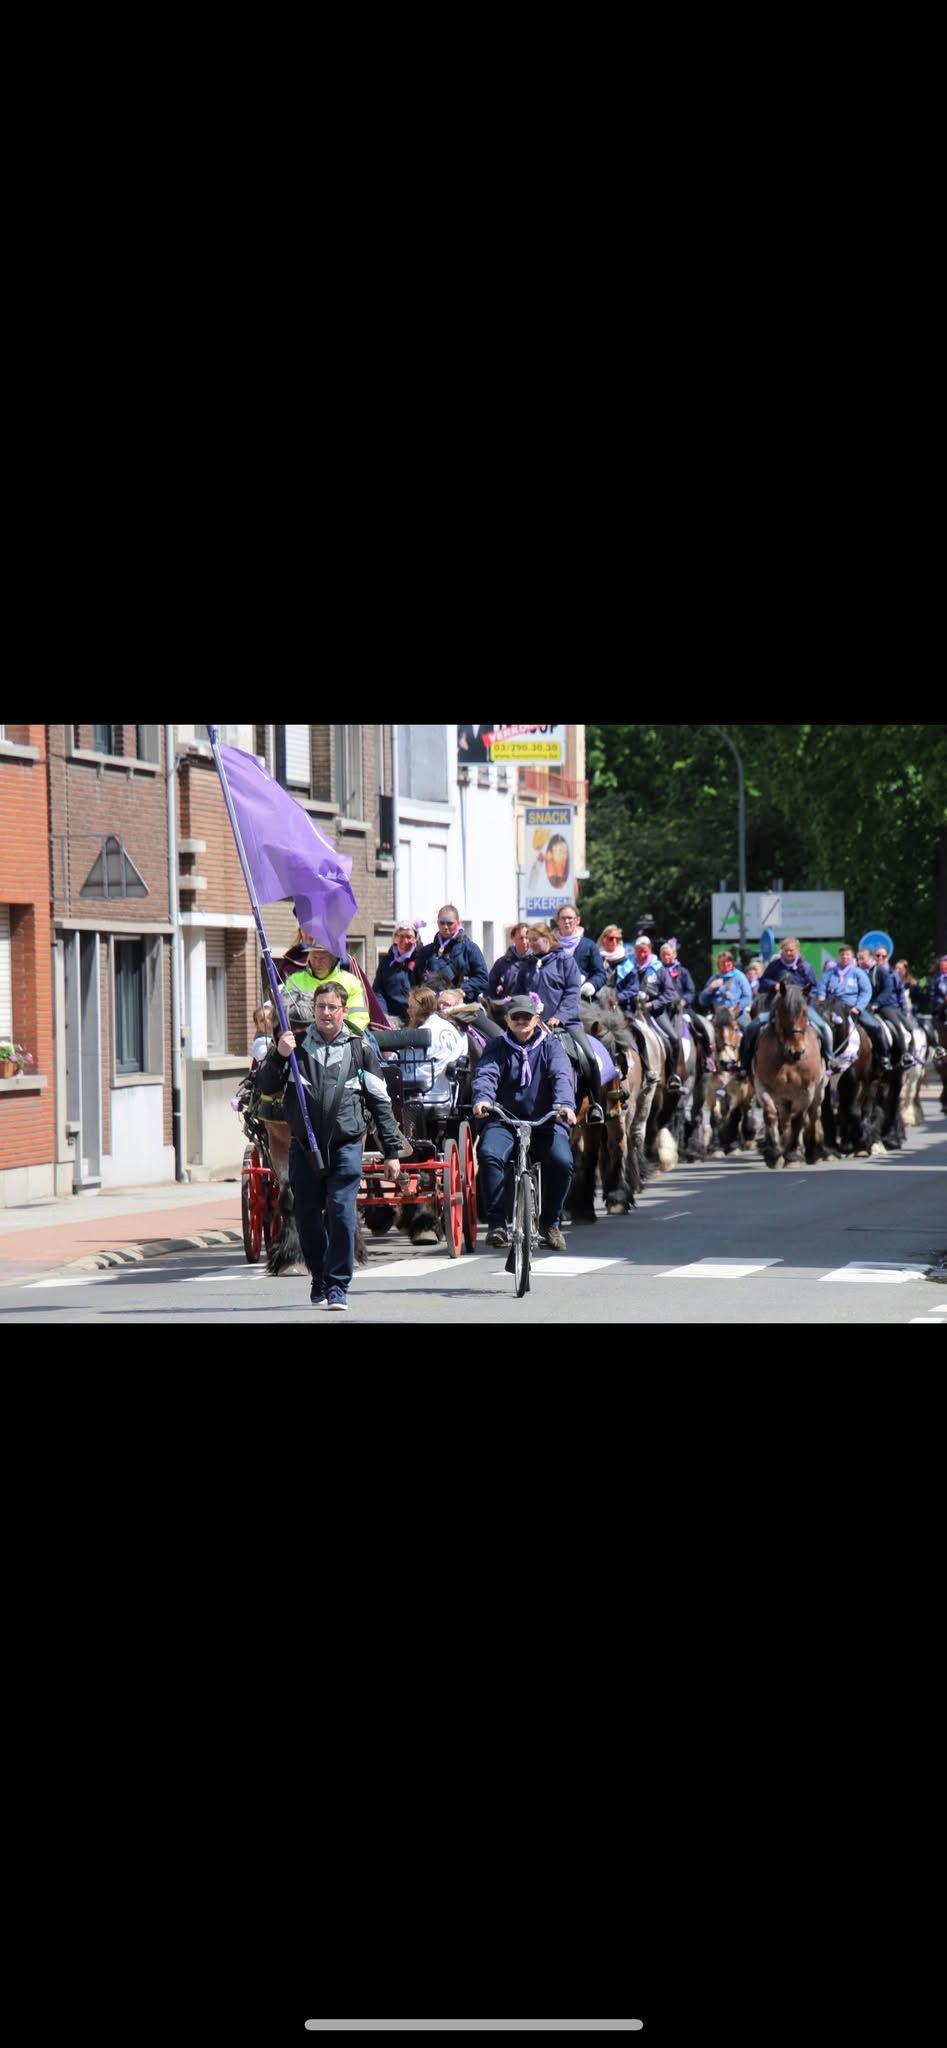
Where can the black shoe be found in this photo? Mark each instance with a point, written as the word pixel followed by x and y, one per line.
pixel 908 1059
pixel 317 1294
pixel 498 1240
pixel 885 1064
pixel 596 1114
pixel 647 1078
pixel 674 1084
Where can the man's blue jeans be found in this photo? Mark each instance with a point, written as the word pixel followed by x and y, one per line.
pixel 329 1253
pixel 552 1149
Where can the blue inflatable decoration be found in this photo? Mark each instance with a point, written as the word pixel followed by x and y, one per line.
pixel 873 939
pixel 767 944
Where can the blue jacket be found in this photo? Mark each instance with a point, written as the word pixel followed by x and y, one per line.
pixel 657 985
pixel 937 991
pixel 683 982
pixel 396 978
pixel 500 980
pixel 734 990
pixel 888 988
pixel 589 962
pixel 850 984
pixel 627 984
pixel 556 978
pixel 551 1077
pixel 779 970
pixel 461 959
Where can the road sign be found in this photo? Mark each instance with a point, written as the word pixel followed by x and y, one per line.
pixel 873 939
pixel 805 913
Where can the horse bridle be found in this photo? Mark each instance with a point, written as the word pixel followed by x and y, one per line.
pixel 791 1049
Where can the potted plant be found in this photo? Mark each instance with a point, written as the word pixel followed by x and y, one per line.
pixel 13 1059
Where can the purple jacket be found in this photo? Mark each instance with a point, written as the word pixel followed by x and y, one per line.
pixel 556 978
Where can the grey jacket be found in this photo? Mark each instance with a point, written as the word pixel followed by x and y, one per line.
pixel 363 1089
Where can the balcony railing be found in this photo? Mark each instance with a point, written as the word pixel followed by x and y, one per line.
pixel 543 785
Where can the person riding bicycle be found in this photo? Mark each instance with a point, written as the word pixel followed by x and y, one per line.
pixel 789 965
pixel 660 994
pixel 528 1074
pixel 850 985
pixel 550 971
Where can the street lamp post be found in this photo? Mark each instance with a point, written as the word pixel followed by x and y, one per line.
pixel 742 828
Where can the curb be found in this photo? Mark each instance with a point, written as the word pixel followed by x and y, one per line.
pixel 156 1248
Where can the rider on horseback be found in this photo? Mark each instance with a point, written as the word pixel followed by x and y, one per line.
pixel 890 1002
pixel 849 984
pixel 660 994
pixel 786 965
pixel 938 992
pixel 685 989
pixel 622 976
pixel 729 985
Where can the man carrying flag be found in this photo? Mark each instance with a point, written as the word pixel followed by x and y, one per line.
pixel 283 853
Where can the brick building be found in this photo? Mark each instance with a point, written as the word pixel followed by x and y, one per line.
pixel 27 1100
pixel 107 878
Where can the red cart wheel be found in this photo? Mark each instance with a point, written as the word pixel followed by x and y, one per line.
pixel 251 1204
pixel 272 1213
pixel 452 1196
pixel 468 1166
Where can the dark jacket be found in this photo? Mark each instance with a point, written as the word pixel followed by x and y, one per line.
pixel 779 970
pixel 589 962
pixel 395 979
pixel 556 978
pixel 363 1067
pixel 462 962
pixel 657 985
pixel 501 973
pixel 683 982
pixel 551 1080
pixel 623 977
pixel 887 989
pixel 937 994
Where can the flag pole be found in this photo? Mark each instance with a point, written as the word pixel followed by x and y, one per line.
pixel 267 956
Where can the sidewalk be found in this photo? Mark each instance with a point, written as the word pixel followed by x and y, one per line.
pixel 123 1226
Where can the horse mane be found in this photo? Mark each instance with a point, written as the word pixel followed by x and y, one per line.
pixel 793 999
pixel 608 1025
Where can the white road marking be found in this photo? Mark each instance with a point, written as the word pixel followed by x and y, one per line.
pixel 439 1261
pixel 565 1268
pixel 718 1269
pixel 672 1218
pixel 80 1280
pixel 883 1270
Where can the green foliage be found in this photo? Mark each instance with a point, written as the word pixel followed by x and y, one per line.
pixel 859 808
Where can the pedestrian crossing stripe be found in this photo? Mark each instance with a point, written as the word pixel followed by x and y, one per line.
pixel 886 1271
pixel 718 1269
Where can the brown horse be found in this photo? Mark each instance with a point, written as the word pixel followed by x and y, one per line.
pixel 789 1079
pixel 733 1122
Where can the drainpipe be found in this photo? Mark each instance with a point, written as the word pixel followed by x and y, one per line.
pixel 394 827
pixel 171 786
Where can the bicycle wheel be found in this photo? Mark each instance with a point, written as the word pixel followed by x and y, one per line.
pixel 522 1233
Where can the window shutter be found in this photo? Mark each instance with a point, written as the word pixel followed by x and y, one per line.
pixel 215 959
pixel 298 760
pixel 6 978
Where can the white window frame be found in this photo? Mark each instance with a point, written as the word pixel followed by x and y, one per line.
pixel 348 761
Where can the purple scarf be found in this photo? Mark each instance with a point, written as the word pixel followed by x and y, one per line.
pixel 404 958
pixel 523 1079
pixel 569 945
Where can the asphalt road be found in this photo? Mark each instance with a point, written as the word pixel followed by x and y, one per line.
pixel 726 1241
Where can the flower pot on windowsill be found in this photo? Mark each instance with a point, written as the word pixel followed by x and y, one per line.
pixel 7 1070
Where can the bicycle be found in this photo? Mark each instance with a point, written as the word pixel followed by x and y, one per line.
pixel 527 1193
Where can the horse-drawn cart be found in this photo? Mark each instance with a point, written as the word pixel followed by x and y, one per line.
pixel 439 1171
pixel 259 1186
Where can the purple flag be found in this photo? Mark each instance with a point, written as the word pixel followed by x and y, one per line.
pixel 287 854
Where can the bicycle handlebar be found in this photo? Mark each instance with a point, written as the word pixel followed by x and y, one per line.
pixel 527 1122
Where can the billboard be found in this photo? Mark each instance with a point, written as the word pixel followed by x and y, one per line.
pixel 545 744
pixel 802 913
pixel 550 858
